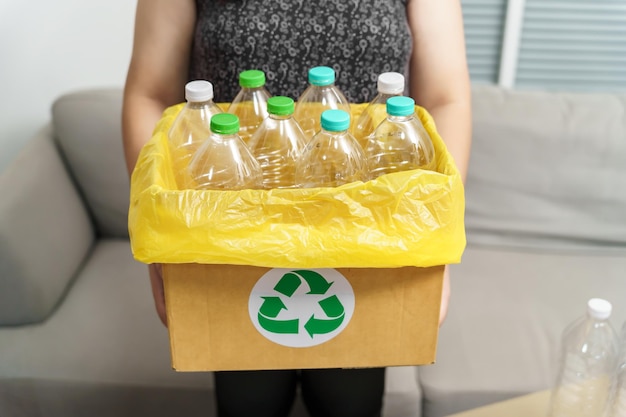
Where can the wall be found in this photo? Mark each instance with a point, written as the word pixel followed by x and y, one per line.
pixel 49 47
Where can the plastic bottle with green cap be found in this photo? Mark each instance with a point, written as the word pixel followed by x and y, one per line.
pixel 400 142
pixel 389 84
pixel 250 103
pixel 321 94
pixel 223 161
pixel 278 143
pixel 332 157
pixel 587 363
pixel 191 128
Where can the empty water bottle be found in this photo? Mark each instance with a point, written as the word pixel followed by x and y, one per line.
pixel 250 103
pixel 389 84
pixel 588 360
pixel 278 143
pixel 223 161
pixel 321 94
pixel 400 142
pixel 191 128
pixel 333 157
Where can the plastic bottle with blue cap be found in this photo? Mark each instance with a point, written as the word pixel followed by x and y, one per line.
pixel 332 157
pixel 191 128
pixel 588 361
pixel 278 143
pixel 320 95
pixel 250 103
pixel 389 84
pixel 400 142
pixel 224 162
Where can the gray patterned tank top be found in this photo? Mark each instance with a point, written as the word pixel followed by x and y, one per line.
pixel 284 38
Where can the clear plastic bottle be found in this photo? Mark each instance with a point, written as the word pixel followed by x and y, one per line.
pixel 389 84
pixel 321 94
pixel 278 143
pixel 400 142
pixel 250 103
pixel 588 360
pixel 224 162
pixel 191 128
pixel 619 403
pixel 333 157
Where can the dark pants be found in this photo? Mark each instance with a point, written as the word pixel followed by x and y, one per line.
pixel 326 392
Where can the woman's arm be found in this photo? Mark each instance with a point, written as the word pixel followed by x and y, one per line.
pixel 158 68
pixel 156 79
pixel 439 79
pixel 439 82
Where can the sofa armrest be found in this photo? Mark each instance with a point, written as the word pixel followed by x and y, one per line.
pixel 45 232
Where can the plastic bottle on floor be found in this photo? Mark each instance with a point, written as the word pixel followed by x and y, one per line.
pixel 250 103
pixel 278 143
pixel 400 142
pixel 191 128
pixel 224 162
pixel 333 157
pixel 390 84
pixel 320 95
pixel 588 360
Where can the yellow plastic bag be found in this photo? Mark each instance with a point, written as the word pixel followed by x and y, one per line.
pixel 412 218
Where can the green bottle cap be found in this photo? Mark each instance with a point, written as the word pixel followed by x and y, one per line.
pixel 280 105
pixel 321 76
pixel 400 106
pixel 335 120
pixel 252 79
pixel 225 124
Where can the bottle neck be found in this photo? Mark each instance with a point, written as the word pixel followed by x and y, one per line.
pixel 199 104
pixel 280 117
pixel 400 118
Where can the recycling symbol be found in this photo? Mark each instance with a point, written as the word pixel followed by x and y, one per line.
pixel 302 307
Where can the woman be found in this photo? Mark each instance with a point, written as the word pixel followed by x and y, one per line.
pixel 177 41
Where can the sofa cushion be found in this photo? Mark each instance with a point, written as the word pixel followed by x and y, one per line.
pixel 87 127
pixel 45 233
pixel 106 330
pixel 547 169
pixel 507 312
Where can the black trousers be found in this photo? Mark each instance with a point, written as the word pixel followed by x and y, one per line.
pixel 326 392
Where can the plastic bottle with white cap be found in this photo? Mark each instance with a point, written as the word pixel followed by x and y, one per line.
pixel 588 361
pixel 389 84
pixel 191 128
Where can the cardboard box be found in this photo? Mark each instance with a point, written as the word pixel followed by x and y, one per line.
pixel 299 278
pixel 215 314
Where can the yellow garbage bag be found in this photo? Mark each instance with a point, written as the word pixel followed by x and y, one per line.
pixel 412 218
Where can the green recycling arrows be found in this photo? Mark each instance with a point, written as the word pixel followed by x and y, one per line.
pixel 289 283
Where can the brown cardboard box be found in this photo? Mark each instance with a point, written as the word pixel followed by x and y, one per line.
pixel 241 287
pixel 212 310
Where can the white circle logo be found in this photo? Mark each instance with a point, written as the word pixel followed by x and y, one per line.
pixel 301 307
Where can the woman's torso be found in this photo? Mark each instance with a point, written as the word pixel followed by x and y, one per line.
pixel 358 38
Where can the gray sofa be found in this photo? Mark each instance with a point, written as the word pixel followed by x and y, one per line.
pixel 546 225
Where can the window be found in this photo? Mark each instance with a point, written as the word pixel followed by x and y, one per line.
pixel 558 44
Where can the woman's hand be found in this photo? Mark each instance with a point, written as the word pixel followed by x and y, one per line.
pixel 156 282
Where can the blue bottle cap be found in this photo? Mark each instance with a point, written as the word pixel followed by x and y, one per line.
pixel 400 106
pixel 321 76
pixel 335 120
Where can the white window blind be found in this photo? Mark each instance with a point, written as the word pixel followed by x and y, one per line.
pixel 484 24
pixel 573 45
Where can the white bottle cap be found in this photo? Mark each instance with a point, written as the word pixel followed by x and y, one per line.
pixel 391 83
pixel 599 309
pixel 198 91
